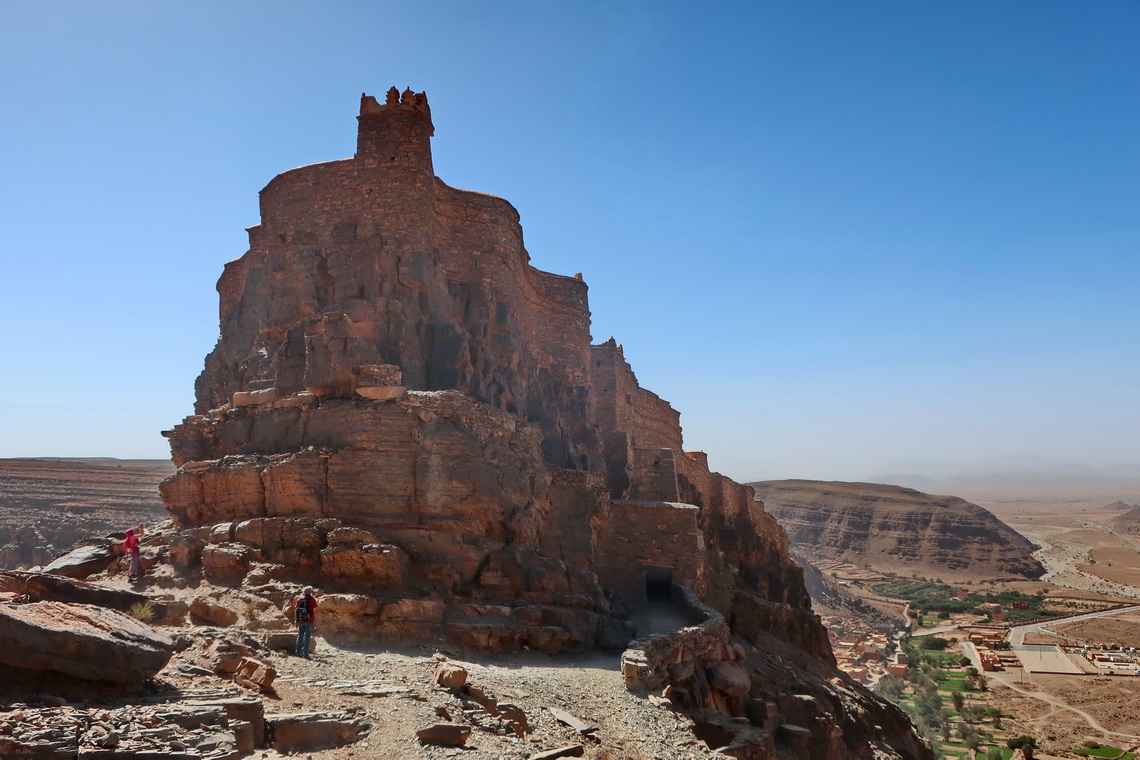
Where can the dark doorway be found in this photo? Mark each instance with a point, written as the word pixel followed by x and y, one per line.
pixel 659 583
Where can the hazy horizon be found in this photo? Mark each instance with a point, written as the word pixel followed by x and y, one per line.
pixel 835 237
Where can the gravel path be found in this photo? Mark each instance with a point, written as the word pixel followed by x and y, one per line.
pixel 589 687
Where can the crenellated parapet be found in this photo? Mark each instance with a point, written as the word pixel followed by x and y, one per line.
pixel 397 101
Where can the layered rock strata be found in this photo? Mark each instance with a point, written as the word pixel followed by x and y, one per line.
pixel 894 529
pixel 81 640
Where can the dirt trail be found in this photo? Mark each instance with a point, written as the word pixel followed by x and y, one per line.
pixel 1060 704
pixel 588 686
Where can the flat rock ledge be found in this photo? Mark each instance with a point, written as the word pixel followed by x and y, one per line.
pixel 83 641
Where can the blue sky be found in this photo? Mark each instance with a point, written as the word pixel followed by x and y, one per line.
pixel 834 235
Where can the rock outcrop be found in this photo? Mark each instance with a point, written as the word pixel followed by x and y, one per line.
pixel 895 529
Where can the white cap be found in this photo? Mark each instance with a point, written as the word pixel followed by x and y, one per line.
pixel 308 589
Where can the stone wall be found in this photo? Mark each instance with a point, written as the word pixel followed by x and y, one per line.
pixel 637 535
pixel 624 405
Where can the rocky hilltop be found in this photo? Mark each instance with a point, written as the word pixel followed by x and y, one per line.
pixel 404 413
pixel 401 408
pixel 895 529
pixel 1127 522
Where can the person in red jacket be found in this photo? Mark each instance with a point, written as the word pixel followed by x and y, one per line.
pixel 305 615
pixel 131 547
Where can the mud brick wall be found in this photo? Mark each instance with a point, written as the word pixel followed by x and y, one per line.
pixel 621 403
pixel 636 535
pixel 654 475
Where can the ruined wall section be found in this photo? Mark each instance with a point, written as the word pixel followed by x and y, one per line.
pixel 638 535
pixel 654 475
pixel 624 405
pixel 529 331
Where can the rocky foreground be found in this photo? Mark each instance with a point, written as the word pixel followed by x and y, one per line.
pixel 892 529
pixel 210 676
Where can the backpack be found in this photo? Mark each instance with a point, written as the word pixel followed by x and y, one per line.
pixel 303 613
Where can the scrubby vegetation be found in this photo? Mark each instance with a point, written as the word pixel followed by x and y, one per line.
pixel 945 698
pixel 932 599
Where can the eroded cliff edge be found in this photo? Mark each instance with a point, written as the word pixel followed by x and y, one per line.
pixel 900 530
pixel 404 412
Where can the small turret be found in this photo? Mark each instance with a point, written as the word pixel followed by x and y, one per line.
pixel 396 133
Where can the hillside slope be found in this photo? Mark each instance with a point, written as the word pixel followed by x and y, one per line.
pixel 1127 523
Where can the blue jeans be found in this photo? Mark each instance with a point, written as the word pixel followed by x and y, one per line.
pixel 304 636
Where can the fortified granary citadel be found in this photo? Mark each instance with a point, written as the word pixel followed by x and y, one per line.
pixel 403 412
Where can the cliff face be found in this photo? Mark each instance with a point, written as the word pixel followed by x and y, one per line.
pixel 895 529
pixel 400 406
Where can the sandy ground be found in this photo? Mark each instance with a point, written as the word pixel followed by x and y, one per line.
pixel 1120 630
pixel 1080 558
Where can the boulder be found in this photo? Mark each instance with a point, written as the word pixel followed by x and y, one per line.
pixel 450 676
pixel 81 640
pixel 256 674
pixel 209 611
pixel 310 732
pixel 730 678
pixel 185 551
pixel 226 561
pixel 83 561
pixel 44 587
pixel 444 734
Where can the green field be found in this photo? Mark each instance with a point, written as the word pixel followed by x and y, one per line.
pixel 1111 753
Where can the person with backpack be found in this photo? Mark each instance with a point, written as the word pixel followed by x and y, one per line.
pixel 305 615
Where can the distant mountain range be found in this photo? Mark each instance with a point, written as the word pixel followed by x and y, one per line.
pixel 1003 472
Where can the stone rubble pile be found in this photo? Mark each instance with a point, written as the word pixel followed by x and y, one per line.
pixel 191 730
pixel 205 732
